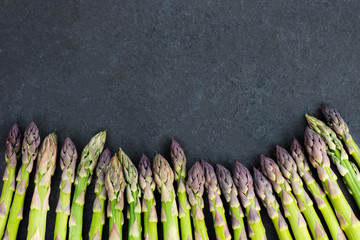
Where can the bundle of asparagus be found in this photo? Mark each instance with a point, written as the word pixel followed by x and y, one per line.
pixel 288 178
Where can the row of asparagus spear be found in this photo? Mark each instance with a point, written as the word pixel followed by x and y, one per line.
pixel 119 185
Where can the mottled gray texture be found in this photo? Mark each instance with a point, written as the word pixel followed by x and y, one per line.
pixel 227 79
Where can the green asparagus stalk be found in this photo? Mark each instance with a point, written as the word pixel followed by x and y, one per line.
pixel 12 155
pixel 230 192
pixel 338 124
pixel 98 217
pixel 316 149
pixel 164 179
pixel 39 207
pixel 317 192
pixel 147 185
pixel 339 157
pixel 68 157
pixel 282 188
pixel 133 194
pixel 29 152
pixel 179 164
pixel 289 170
pixel 195 190
pixel 244 183
pixel 88 161
pixel 264 190
pixel 215 203
pixel 115 187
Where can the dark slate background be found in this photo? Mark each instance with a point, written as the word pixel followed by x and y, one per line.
pixel 227 79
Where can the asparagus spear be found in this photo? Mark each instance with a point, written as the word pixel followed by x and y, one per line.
pixel 339 156
pixel 133 195
pixel 68 157
pixel 115 186
pixel 12 155
pixel 316 149
pixel 98 217
pixel 231 196
pixel 179 164
pixel 147 185
pixel 244 182
pixel 29 152
pixel 289 170
pixel 215 203
pixel 39 207
pixel 282 188
pixel 164 179
pixel 195 190
pixel 317 192
pixel 264 190
pixel 88 161
pixel 338 124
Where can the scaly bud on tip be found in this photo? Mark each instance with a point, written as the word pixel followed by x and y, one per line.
pixel 68 155
pixel 195 182
pixel 178 159
pixel 104 160
pixel 12 144
pixel 163 174
pixel 335 120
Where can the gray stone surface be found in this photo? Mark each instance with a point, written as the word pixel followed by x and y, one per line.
pixel 227 79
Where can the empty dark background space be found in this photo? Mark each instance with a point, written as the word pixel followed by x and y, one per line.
pixel 227 79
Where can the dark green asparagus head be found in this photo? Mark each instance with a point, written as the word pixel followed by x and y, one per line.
pixel 115 182
pixel 316 149
pixel 178 160
pixel 30 146
pixel 68 157
pixel 272 171
pixel 336 122
pixel 104 160
pixel 227 184
pixel 146 180
pixel 163 174
pixel 90 155
pixel 12 152
pixel 130 171
pixel 47 159
pixel 195 183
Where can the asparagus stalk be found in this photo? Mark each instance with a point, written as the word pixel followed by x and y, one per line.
pixel 147 185
pixel 29 152
pixel 98 217
pixel 133 195
pixel 264 190
pixel 215 203
pixel 164 179
pixel 289 170
pixel 179 164
pixel 338 124
pixel 231 196
pixel 316 149
pixel 317 192
pixel 68 157
pixel 115 186
pixel 88 161
pixel 12 155
pixel 244 182
pixel 338 155
pixel 39 207
pixel 195 190
pixel 282 188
